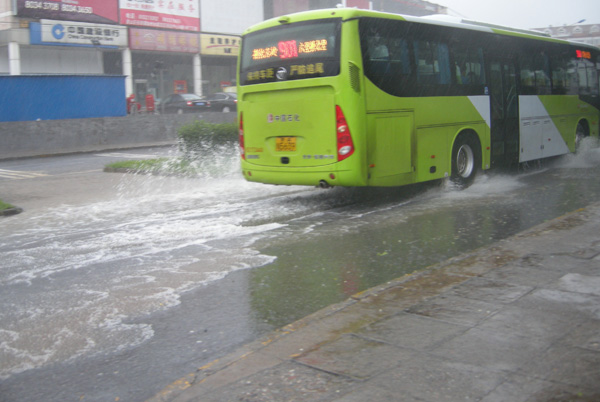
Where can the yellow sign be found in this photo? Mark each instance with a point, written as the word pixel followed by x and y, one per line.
pixel 264 53
pixel 306 69
pixel 268 73
pixel 285 144
pixel 219 45
pixel 295 70
pixel 313 46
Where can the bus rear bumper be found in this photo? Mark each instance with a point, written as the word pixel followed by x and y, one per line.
pixel 303 177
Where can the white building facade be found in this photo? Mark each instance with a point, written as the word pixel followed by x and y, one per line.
pixel 160 46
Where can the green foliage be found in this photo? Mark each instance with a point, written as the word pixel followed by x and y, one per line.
pixel 4 206
pixel 201 136
pixel 163 166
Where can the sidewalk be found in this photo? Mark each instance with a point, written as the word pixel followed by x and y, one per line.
pixel 517 321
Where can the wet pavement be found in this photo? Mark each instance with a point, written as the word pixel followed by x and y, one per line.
pixel 515 321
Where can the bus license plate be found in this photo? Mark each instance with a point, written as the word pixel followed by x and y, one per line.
pixel 285 144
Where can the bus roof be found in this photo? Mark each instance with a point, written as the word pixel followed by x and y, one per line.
pixel 440 20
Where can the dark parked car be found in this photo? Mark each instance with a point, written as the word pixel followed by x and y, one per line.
pixel 223 102
pixel 184 103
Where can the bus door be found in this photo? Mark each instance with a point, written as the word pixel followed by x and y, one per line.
pixel 504 104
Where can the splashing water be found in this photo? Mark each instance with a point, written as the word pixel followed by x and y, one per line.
pixel 72 277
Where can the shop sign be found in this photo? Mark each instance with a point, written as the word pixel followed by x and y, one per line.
pixel 81 33
pixel 181 15
pixel 163 41
pixel 100 11
pixel 219 45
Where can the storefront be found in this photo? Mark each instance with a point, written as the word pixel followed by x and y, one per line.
pixel 218 58
pixel 163 62
pixel 166 62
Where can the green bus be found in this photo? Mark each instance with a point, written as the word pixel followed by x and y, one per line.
pixel 349 97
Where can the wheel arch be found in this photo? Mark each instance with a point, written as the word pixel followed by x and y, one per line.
pixel 583 122
pixel 469 133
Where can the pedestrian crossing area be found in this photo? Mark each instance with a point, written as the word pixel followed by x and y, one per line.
pixel 126 155
pixel 19 175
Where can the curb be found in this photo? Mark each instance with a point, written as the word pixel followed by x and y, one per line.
pixel 11 211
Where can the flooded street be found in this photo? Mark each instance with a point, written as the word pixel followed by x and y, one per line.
pixel 114 295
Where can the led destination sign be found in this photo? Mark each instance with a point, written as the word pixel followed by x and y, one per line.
pixel 582 54
pixel 290 49
pixel 296 51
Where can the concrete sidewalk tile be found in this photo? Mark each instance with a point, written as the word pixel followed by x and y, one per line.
pixel 286 382
pixel 587 253
pixel 579 284
pixel 419 286
pixel 455 309
pixel 355 357
pixel 397 298
pixel 565 393
pixel 579 306
pixel 521 388
pixel 536 325
pixel 546 241
pixel 376 392
pixel 490 291
pixel 295 343
pixel 491 350
pixel 571 264
pixel 411 331
pixel 481 262
pixel 247 365
pixel 585 336
pixel 524 275
pixel 567 365
pixel 431 379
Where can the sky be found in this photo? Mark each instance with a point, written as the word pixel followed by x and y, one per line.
pixel 525 13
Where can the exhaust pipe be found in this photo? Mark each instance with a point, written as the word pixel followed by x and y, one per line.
pixel 324 184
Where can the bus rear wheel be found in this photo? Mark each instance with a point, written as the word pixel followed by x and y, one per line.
pixel 580 134
pixel 465 161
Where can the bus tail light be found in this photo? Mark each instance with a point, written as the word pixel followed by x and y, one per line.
pixel 345 145
pixel 242 144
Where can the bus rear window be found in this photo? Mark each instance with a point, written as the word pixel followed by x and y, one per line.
pixel 289 52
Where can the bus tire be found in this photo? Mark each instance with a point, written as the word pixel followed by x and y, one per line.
pixel 466 160
pixel 580 134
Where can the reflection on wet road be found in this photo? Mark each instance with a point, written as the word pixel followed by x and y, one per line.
pixel 129 293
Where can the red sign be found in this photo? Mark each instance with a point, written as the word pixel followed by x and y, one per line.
pixel 364 4
pixel 180 87
pixel 183 15
pixel 290 49
pixel 163 41
pixel 582 54
pixel 99 11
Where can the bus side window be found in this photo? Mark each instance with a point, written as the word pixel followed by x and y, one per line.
pixel 582 76
pixel 400 57
pixel 469 66
pixel 598 76
pixel 535 74
pixel 572 78
pixel 433 63
pixel 527 75
pixel 560 74
pixel 386 58
pixel 592 78
pixel 542 74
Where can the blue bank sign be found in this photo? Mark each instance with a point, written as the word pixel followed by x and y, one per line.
pixel 68 33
